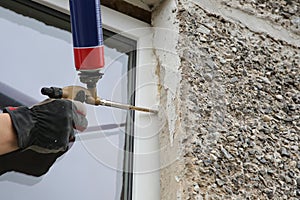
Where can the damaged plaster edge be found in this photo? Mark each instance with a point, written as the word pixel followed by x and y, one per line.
pixel 165 40
pixel 254 23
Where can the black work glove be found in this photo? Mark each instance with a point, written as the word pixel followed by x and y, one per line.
pixel 49 126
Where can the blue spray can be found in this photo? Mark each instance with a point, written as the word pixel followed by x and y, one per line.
pixel 87 34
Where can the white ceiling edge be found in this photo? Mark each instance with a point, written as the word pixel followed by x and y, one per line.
pixel 60 5
pixel 148 5
pixel 139 4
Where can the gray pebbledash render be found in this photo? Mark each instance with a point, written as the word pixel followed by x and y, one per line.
pixel 233 115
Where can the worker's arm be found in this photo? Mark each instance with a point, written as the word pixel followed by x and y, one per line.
pixel 8 138
pixel 45 128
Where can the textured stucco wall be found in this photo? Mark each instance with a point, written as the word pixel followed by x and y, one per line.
pixel 236 129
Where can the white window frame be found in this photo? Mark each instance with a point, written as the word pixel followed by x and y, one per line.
pixel 146 175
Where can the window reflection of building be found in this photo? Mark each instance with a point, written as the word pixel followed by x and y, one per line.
pixel 36 55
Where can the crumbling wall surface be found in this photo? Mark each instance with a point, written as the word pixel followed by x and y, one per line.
pixel 241 90
pixel 165 40
pixel 238 108
pixel 285 13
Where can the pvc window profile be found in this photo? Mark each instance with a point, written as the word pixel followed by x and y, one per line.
pixel 125 45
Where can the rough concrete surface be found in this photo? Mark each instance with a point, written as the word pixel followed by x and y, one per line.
pixel 285 13
pixel 238 105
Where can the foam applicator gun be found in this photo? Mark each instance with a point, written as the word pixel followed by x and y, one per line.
pixel 88 50
pixel 84 95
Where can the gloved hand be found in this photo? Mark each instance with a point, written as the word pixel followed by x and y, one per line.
pixel 48 126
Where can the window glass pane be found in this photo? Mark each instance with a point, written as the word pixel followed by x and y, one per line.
pixel 33 56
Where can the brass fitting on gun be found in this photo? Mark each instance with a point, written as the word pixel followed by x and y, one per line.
pixel 90 78
pixel 71 92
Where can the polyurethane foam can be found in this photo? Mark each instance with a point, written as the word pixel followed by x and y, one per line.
pixel 87 34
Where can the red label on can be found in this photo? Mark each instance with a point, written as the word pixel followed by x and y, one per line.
pixel 89 58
